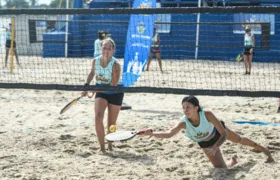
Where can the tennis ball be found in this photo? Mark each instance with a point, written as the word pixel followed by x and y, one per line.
pixel 113 128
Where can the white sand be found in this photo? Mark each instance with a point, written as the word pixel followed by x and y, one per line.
pixel 38 143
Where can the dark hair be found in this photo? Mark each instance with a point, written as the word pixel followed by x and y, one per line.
pixel 247 29
pixel 102 34
pixel 193 100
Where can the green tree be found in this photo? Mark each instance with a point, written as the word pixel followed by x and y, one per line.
pixel 56 4
pixel 44 6
pixel 33 3
pixel 17 3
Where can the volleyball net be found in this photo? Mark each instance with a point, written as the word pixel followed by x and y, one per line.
pixel 198 48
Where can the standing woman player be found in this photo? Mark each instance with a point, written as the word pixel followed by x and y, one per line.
pixel 8 44
pixel 155 49
pixel 210 133
pixel 107 71
pixel 249 44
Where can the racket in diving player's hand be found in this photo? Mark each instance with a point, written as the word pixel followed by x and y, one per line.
pixel 121 136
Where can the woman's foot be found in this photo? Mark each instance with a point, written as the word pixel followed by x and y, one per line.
pixel 269 157
pixel 267 153
pixel 102 149
pixel 232 162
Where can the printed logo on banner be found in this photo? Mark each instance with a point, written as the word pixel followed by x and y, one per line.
pixel 141 28
pixel 135 66
pixel 138 42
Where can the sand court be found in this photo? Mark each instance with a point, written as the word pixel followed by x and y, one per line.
pixel 39 143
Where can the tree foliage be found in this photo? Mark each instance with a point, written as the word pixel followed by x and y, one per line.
pixel 61 4
pixel 17 3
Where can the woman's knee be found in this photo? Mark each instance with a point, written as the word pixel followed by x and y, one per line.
pixel 99 116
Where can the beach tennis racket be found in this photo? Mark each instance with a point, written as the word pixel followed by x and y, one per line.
pixel 239 58
pixel 63 110
pixel 121 136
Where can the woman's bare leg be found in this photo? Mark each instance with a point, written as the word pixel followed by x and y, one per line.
pixel 150 60
pixel 159 61
pixel 218 161
pixel 100 107
pixel 246 63
pixel 113 112
pixel 250 63
pixel 6 56
pixel 236 138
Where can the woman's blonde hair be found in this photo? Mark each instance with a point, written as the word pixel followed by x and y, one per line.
pixel 109 40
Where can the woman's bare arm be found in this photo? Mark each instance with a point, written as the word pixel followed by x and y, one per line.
pixel 116 74
pixel 218 125
pixel 171 132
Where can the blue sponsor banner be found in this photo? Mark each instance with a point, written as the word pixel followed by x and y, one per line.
pixel 138 42
pixel 253 18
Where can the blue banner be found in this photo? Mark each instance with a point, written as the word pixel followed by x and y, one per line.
pixel 138 42
pixel 253 18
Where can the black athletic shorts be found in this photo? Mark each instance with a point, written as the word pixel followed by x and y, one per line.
pixel 8 44
pixel 115 99
pixel 247 50
pixel 211 142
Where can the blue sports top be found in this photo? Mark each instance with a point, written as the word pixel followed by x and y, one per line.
pixel 203 131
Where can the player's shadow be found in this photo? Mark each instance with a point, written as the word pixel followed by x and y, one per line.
pixel 131 157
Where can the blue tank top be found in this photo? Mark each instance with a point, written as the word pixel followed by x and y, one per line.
pixel 203 131
pixel 104 75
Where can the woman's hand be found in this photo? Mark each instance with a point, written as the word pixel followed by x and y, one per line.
pixel 251 51
pixel 92 94
pixel 86 93
pixel 147 132
pixel 212 150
